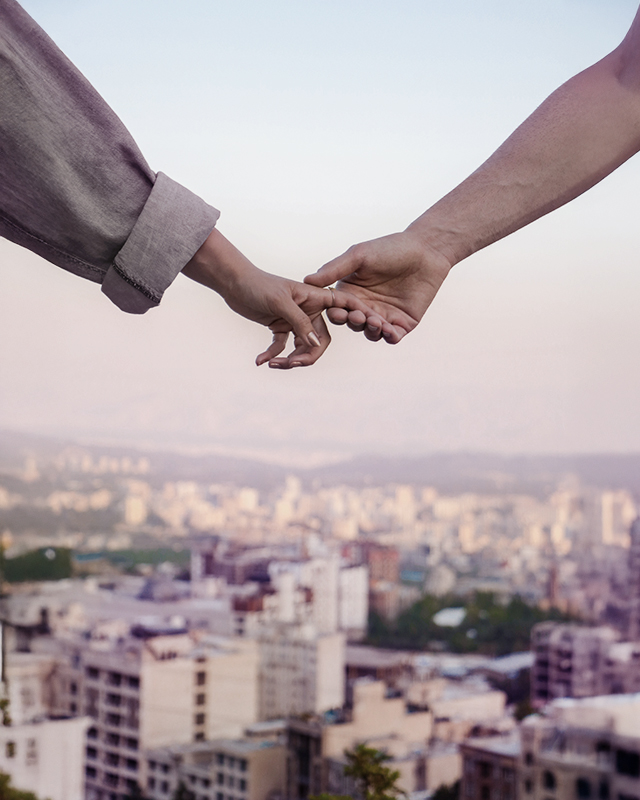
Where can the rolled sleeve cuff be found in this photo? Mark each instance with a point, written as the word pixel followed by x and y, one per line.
pixel 173 225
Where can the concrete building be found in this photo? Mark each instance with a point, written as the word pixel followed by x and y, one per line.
pixel 151 690
pixel 353 601
pixel 570 661
pixel 300 672
pixel 490 768
pixel 634 581
pixel 46 758
pixel 216 770
pixel 587 748
pixel 386 724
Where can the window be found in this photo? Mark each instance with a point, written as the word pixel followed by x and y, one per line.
pixel 243 785
pixel 112 759
pixel 73 688
pixel 628 763
pixel 93 673
pixel 113 719
pixel 92 702
pixel 132 764
pixel 219 758
pixel 199 719
pixel 133 681
pixel 113 739
pixel 528 786
pixel 201 678
pixel 32 751
pixel 92 733
pixel 115 679
pixel 110 779
pixel 73 708
pixel 220 779
pixel 219 796
pixel 603 791
pixel 485 793
pixel 528 759
pixel 199 737
pixel 151 783
pixel 90 772
pixel 164 786
pixel 10 749
pixel 231 781
pixel 131 744
pixel 164 768
pixel 113 699
pixel 231 761
pixel 92 752
pixel 485 769
pixel 583 788
pixel 200 699
pixel 549 780
pixel 243 765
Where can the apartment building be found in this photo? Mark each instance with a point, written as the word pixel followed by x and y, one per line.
pixel 217 770
pixel 151 689
pixel 45 757
pixel 570 661
pixel 585 749
pixel 301 672
pixel 490 768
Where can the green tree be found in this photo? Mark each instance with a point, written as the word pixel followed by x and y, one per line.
pixel 375 780
pixel 447 792
pixel 8 792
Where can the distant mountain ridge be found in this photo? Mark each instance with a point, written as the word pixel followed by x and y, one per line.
pixel 447 472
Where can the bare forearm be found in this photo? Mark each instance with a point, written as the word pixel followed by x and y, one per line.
pixel 581 133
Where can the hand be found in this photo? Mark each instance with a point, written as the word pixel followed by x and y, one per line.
pixel 283 305
pixel 396 276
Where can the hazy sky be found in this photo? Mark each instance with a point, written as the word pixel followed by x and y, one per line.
pixel 313 125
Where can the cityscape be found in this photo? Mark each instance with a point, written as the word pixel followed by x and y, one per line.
pixel 190 626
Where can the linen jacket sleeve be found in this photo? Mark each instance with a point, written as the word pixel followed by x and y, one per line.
pixel 74 187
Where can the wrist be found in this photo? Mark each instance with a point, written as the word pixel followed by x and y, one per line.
pixel 219 265
pixel 442 243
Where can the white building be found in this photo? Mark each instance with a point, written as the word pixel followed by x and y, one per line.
pixel 46 758
pixel 300 672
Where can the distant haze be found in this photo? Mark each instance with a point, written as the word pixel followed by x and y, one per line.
pixel 312 126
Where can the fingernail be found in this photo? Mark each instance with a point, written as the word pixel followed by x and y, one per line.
pixel 296 363
pixel 274 366
pixel 314 339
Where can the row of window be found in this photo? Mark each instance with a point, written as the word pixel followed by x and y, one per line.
pixel 112 780
pixel 164 788
pixel 114 739
pixel 113 678
pixel 221 760
pixel 113 759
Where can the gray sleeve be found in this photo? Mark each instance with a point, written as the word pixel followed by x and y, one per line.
pixel 74 186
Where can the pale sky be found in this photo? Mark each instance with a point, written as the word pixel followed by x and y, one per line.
pixel 311 126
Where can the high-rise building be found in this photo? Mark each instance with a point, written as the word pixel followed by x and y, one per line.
pixel 570 661
pixel 634 581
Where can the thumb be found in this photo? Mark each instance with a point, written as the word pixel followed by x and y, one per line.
pixel 333 271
